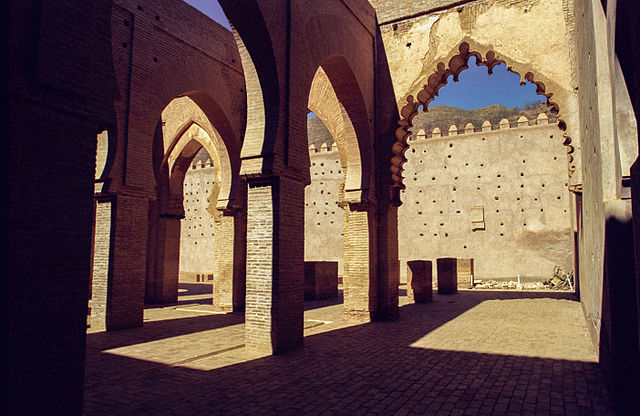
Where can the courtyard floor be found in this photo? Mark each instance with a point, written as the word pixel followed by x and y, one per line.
pixel 474 353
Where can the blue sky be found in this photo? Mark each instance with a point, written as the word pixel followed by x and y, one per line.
pixel 212 9
pixel 474 89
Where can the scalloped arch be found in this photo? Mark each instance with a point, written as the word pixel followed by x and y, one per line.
pixel 429 91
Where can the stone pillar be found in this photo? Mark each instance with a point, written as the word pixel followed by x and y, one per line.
pixel 120 253
pixel 465 272
pixel 275 265
pixel 419 281
pixel 320 279
pixel 447 276
pixel 360 272
pixel 229 261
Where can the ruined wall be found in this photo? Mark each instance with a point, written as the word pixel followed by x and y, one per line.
pixel 497 196
pixel 197 239
pixel 536 36
pixel 323 218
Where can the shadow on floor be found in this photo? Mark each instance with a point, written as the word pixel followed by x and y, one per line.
pixel 363 369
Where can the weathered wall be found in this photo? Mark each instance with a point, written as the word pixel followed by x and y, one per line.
pixel 323 218
pixel 516 180
pixel 197 240
pixel 534 36
pixel 483 166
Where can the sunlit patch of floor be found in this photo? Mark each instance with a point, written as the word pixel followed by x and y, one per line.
pixel 546 328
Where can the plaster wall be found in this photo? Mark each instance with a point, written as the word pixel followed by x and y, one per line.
pixel 513 180
pixel 197 227
pixel 536 36
pixel 323 218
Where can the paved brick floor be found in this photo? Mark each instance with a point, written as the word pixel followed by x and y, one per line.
pixel 475 353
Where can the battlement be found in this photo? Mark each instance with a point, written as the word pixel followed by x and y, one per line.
pixel 324 148
pixel 469 128
pixel 202 164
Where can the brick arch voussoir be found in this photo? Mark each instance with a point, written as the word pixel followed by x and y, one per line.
pixel 187 142
pixel 456 64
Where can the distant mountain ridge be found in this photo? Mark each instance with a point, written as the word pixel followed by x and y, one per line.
pixel 443 116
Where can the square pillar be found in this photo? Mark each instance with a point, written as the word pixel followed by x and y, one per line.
pixel 229 261
pixel 465 273
pixel 275 265
pixel 120 260
pixel 419 281
pixel 320 280
pixel 360 271
pixel 447 275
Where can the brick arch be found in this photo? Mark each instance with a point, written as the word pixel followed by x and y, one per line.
pixel 344 62
pixel 325 104
pixel 221 113
pixel 178 160
pixel 262 84
pixel 175 139
pixel 456 64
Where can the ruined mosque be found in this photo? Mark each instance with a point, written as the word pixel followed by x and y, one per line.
pixel 185 237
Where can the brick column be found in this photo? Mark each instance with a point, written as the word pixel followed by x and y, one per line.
pixel 229 261
pixel 162 283
pixel 447 275
pixel 275 265
pixel 360 272
pixel 388 264
pixel 419 281
pixel 120 253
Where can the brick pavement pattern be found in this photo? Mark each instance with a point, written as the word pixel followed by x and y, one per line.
pixel 475 353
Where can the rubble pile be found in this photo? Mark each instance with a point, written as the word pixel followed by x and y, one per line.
pixel 561 280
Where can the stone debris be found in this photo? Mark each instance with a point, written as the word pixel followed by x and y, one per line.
pixel 561 280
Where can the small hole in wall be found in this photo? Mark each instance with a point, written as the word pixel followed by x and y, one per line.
pixel 453 201
pixel 521 173
pixel 466 164
pixel 498 186
pixel 155 59
pixel 455 179
pixel 501 235
pixel 481 164
pixel 408 44
pixel 457 211
pixel 446 234
pixel 555 158
pixel 449 156
pixel 521 209
pixel 464 246
pixel 433 178
pixel 454 189
pixel 395 27
pixel 496 198
pixel 417 202
pixel 535 199
pixel 524 161
pixel 478 188
pixel 521 185
pixel 450 144
pixel 483 139
pixel 124 44
pixel 541 209
pixel 479 176
pixel 543 185
pixel 435 234
pixel 518 199
pixel 497 210
pixel 441 212
pixel 502 223
pixel 558 197
pixel 419 212
pixel 441 224
pixel 565 210
pixel 157 18
pixel 551 137
pixel 524 225
pixel 434 201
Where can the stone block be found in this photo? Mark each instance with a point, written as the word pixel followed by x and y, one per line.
pixel 465 272
pixel 320 279
pixel 419 281
pixel 447 275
